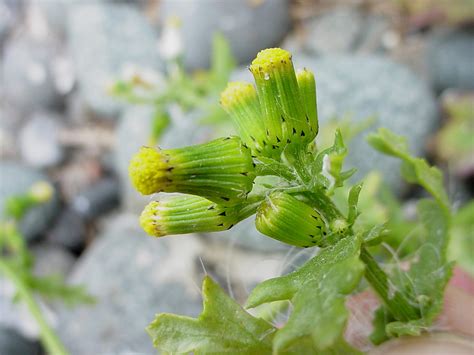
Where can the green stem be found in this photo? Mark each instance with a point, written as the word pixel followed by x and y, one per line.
pixel 49 339
pixel 395 301
pixel 324 204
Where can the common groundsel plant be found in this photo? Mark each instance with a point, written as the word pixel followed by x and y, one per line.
pixel 274 169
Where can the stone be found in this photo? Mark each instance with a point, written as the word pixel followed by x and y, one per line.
pixel 27 72
pixel 39 141
pixel 13 343
pixel 10 12
pixel 133 277
pixel 69 231
pixel 449 58
pixel 17 179
pixel 246 235
pixel 345 30
pixel 104 38
pixel 363 86
pixel 52 259
pixel 249 26
pixel 97 199
pixel 10 123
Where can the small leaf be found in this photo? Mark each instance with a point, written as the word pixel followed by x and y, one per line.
pixel 285 287
pixel 352 202
pixel 414 170
pixel 222 327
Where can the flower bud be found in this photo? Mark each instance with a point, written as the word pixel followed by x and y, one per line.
pixel 307 89
pixel 221 170
pixel 187 214
pixel 291 221
pixel 285 115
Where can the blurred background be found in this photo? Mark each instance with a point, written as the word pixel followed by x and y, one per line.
pixel 84 84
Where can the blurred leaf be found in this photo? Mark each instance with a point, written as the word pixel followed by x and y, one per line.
pixel 461 246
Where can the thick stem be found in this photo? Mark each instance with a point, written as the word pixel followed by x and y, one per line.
pixel 395 301
pixel 49 339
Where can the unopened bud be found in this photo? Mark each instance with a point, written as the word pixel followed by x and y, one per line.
pixel 187 214
pixel 221 170
pixel 291 221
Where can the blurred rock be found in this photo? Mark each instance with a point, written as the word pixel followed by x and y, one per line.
pixel 17 179
pixel 10 122
pixel 450 55
pixel 39 140
pixel 69 231
pixel 10 12
pixel 346 29
pixel 245 235
pixel 359 87
pixel 97 199
pixel 104 38
pixel 52 260
pixel 13 343
pixel 249 26
pixel 27 71
pixel 133 277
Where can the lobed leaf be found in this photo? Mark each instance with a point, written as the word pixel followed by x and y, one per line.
pixel 222 327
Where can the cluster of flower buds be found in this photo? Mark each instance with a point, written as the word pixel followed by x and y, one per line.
pixel 216 177
pixel 281 110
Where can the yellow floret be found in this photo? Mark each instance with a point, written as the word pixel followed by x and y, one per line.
pixel 149 220
pixel 271 57
pixel 147 170
pixel 237 91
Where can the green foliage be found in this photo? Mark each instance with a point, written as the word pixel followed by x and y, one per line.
pixel 462 238
pixel 198 91
pixel 16 263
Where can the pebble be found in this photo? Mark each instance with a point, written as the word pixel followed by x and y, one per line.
pixel 249 26
pixel 40 146
pixel 449 56
pixel 104 39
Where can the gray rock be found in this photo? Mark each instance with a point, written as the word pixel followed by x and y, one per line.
pixel 133 131
pixel 449 57
pixel 52 259
pixel 249 28
pixel 69 231
pixel 10 11
pixel 28 74
pixel 362 86
pixel 10 123
pixel 245 235
pixel 17 179
pixel 39 140
pixel 133 277
pixel 104 39
pixel 98 199
pixel 13 343
pixel 344 30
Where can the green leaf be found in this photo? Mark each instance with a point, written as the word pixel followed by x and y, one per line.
pixel 462 238
pixel 53 287
pixel 317 292
pixel 353 200
pixel 285 287
pixel 319 310
pixel 427 278
pixel 222 61
pixel 222 327
pixel 414 170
